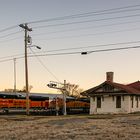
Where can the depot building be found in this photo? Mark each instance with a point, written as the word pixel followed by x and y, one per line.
pixel 112 97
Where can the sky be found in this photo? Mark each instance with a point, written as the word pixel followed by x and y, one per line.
pixel 92 24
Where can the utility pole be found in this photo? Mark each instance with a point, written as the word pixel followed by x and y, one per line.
pixel 26 29
pixel 62 87
pixel 64 98
pixel 56 107
pixel 14 74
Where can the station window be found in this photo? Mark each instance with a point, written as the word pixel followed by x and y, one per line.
pixel 132 101
pixel 118 101
pixel 137 101
pixel 98 102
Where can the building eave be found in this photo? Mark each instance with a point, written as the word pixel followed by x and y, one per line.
pixel 113 94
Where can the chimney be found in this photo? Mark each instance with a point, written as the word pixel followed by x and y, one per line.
pixel 109 76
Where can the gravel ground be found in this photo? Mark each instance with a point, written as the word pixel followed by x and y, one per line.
pixel 95 127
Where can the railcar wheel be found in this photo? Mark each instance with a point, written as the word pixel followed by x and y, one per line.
pixel 5 110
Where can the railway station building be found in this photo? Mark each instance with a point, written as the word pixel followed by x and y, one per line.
pixel 114 98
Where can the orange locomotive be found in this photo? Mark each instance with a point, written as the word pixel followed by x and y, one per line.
pixel 18 101
pixel 73 105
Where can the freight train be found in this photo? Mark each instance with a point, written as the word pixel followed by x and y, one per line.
pixel 17 101
pixel 73 105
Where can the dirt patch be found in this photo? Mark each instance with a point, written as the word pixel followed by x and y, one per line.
pixel 67 121
pixel 131 122
pixel 70 127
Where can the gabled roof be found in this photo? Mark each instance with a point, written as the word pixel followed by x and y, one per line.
pixel 135 85
pixel 126 88
pixel 133 88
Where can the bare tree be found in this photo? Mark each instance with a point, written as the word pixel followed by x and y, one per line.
pixel 73 90
pixel 24 88
pixel 8 90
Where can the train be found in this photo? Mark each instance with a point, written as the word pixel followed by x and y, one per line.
pixel 17 101
pixel 73 105
pixel 38 102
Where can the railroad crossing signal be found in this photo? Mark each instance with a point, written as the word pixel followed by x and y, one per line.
pixel 62 87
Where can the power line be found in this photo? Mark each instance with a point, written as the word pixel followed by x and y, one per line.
pixel 74 48
pixel 86 21
pixel 89 27
pixel 114 49
pixel 11 56
pixel 10 34
pixel 79 15
pixel 82 14
pixel 8 28
pixel 123 9
pixel 93 46
pixel 6 60
pixel 73 36
pixel 7 40
pixel 44 65
pixel 72 53
pixel 102 50
pixel 82 35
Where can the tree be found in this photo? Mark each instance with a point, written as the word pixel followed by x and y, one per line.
pixel 8 90
pixel 18 90
pixel 24 88
pixel 73 90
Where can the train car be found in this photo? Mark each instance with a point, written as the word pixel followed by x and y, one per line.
pixel 73 105
pixel 78 105
pixel 17 101
pixel 38 102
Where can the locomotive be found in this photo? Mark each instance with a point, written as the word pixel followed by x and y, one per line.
pixel 17 101
pixel 73 105
pixel 14 101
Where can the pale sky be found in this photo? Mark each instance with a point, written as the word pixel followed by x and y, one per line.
pixel 96 29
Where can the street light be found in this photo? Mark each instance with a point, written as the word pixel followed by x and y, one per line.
pixel 35 46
